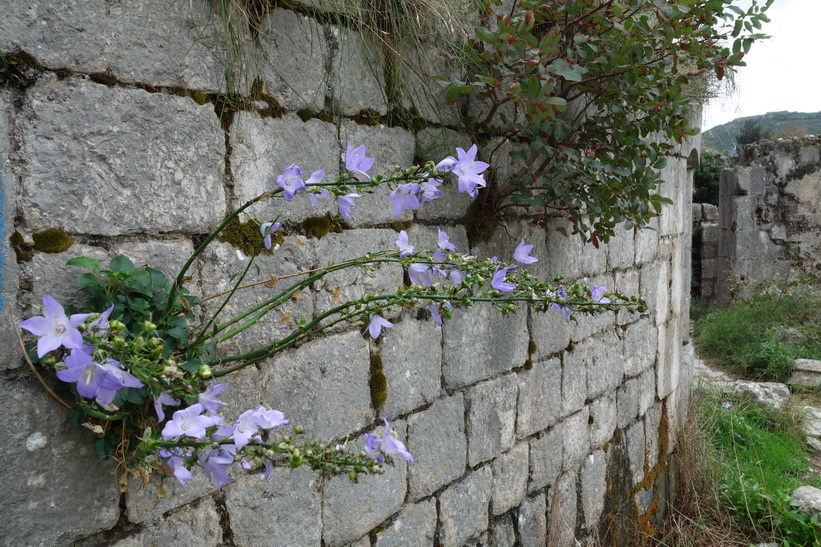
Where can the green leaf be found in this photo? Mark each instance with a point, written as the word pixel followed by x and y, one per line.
pixel 121 263
pixel 87 280
pixel 75 417
pixel 84 262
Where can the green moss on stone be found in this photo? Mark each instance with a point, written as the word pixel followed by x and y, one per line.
pixel 480 222
pixel 378 382
pixel 246 236
pixel 21 250
pixel 52 241
pixel 320 226
pixel 368 117
pixel 199 97
pixel 399 225
pixel 103 78
pixel 180 91
pixel 305 114
pixel 532 347
pixel 529 364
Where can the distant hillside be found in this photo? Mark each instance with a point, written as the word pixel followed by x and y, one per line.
pixel 722 137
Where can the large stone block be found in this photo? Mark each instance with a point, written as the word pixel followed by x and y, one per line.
pixel 627 399
pixel 594 483
pixel 126 161
pixel 532 521
pixel 389 147
pixel 668 362
pixel 510 474
pixel 545 459
pixel 196 524
pixel 621 250
pixel 603 417
pixel 423 93
pixel 627 283
pixel 550 332
pixel 575 438
pixel 56 489
pixel 647 243
pixel 574 377
pixel 261 150
pixel 48 274
pixel 358 74
pixel 149 501
pixel 563 511
pixel 414 525
pixel 323 385
pixel 540 397
pixel 504 241
pixel 636 450
pixel 463 508
pixel 293 62
pixel 606 369
pixel 412 362
pixel 491 418
pixel 160 43
pixel 437 437
pixel 351 510
pixel 222 265
pixel 640 343
pixel 480 343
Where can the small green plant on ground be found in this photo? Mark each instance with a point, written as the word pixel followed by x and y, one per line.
pixel 740 468
pixel 763 336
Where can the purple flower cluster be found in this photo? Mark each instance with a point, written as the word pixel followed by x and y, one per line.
pixel 596 295
pixel 388 445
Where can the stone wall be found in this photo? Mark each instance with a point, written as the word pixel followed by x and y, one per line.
pixel 525 429
pixel 705 250
pixel 769 217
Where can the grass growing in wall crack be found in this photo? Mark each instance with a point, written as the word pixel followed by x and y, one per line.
pixel 763 336
pixel 739 465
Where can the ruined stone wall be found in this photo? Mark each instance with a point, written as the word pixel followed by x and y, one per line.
pixel 705 251
pixel 526 430
pixel 769 217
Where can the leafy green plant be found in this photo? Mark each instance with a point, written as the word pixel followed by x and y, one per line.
pixel 601 95
pixel 760 458
pixel 706 179
pixel 751 132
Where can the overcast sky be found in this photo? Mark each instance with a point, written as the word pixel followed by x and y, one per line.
pixel 782 73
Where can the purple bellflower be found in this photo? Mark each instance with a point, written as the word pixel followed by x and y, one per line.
pixel 467 169
pixel 314 193
pixel 376 324
pixel 93 380
pixel 208 399
pixel 345 203
pixel 101 325
pixel 215 464
pixel 443 242
pixel 434 311
pixel 404 196
pixel 290 181
pixel 405 248
pixel 269 419
pixel 124 378
pixel 188 422
pixel 522 254
pixel 268 228
pixel 178 470
pixel 163 399
pixel 54 328
pixel 245 429
pixel 356 162
pixel 597 294
pixel 419 274
pixel 565 309
pixel 498 282
pixel 388 445
pixel 429 191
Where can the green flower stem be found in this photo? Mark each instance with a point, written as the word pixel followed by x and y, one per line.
pixel 97 414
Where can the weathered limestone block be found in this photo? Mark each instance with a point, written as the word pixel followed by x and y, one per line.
pixel 491 418
pixel 222 264
pixel 9 281
pixel 502 533
pixel 149 501
pixel 640 344
pixel 570 257
pixel 510 474
pixel 414 525
pixel 563 510
pixel 636 450
pixel 575 438
pixel 652 420
pixel 545 458
pixel 322 385
pixel 503 243
pixel 261 150
pixel 647 390
pixel 351 510
pixel 627 283
pixel 574 376
pixel 424 94
pixel 772 395
pixel 668 366
pixel 594 483
pixel 463 508
pixel 621 250
pixel 411 355
pixel 435 144
pixel 540 397
pixel 807 373
pixel 293 62
pixel 353 283
pixel 627 400
pixel 358 74
pixel 603 418
pixel 126 161
pixel 647 243
pixel 46 467
pixel 480 343
pixel 198 524
pixel 550 333
pixel 159 43
pixel 808 499
pixel 389 147
pixel 532 523
pixel 437 437
pixel 606 369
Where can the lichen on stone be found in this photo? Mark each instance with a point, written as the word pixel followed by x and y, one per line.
pixel 52 241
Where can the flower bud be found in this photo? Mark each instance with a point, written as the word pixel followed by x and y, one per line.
pixel 116 325
pixel 205 372
pixel 139 342
pixel 148 326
